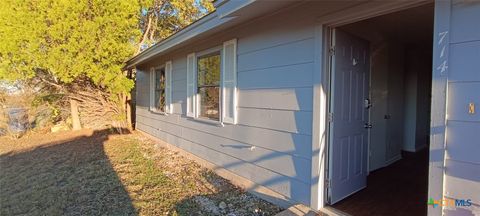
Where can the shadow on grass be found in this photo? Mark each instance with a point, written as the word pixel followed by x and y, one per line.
pixel 68 177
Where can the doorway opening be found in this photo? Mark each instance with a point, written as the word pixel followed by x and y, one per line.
pixel 381 78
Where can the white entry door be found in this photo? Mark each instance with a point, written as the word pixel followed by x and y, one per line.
pixel 349 116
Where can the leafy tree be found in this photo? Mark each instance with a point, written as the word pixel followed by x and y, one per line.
pixel 162 18
pixel 78 47
pixel 62 41
pixel 70 46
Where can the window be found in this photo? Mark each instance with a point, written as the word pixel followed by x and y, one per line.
pixel 158 86
pixel 212 84
pixel 208 86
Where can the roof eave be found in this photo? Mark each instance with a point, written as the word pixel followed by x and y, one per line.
pixel 222 17
pixel 155 49
pixel 223 9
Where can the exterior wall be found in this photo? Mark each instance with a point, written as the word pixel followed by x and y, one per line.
pixel 275 104
pixel 275 65
pixel 275 77
pixel 462 161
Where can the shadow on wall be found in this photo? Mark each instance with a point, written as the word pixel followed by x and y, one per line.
pixel 67 177
pixel 296 186
pixel 289 168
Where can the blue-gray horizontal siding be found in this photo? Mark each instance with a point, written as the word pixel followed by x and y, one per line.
pixel 462 176
pixel 287 186
pixel 288 162
pixel 461 57
pixel 287 143
pixel 293 53
pixel 277 77
pixel 281 120
pixel 142 88
pixel 294 99
pixel 271 144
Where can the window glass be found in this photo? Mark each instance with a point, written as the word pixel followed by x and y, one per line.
pixel 160 89
pixel 208 86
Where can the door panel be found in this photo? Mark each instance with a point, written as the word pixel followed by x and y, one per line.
pixel 349 137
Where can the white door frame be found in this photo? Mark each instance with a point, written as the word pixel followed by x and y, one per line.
pixel 321 86
pixel 339 128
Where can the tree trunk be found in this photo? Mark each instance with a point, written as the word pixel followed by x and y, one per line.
pixel 129 110
pixel 146 33
pixel 75 116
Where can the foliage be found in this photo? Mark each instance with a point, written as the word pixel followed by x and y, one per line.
pixel 208 85
pixel 41 109
pixel 68 40
pixel 51 107
pixel 162 18
pixel 63 47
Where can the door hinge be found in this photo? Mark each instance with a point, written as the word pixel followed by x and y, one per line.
pixel 331 51
pixel 328 191
pixel 330 117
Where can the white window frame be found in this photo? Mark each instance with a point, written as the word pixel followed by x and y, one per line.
pixel 217 49
pixel 226 83
pixel 152 89
pixel 191 83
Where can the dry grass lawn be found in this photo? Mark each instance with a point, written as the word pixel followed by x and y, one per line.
pixel 100 173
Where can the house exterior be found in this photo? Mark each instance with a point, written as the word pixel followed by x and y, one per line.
pixel 247 88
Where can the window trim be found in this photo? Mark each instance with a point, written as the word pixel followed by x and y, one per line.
pixel 152 89
pixel 233 119
pixel 201 54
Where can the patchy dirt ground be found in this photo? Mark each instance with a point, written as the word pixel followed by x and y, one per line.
pixel 99 173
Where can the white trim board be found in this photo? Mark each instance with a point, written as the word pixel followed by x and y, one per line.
pixel 351 15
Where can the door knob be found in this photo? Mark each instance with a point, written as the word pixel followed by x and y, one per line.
pixel 367 125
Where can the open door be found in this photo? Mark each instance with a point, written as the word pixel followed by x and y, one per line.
pixel 349 124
